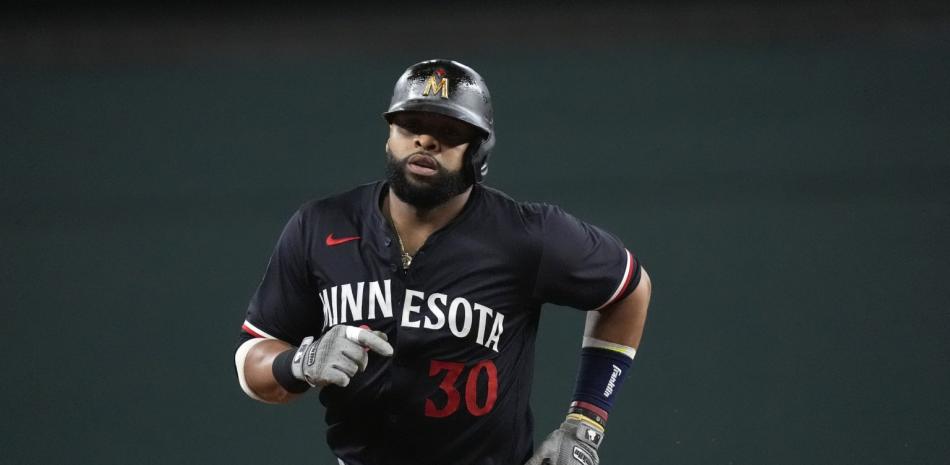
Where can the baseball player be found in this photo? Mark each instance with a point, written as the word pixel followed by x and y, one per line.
pixel 412 303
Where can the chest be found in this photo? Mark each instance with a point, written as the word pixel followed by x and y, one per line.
pixel 463 291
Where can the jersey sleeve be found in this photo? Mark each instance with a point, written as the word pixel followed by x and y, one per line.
pixel 285 305
pixel 581 265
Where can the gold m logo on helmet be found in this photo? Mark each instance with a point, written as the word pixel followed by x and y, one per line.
pixel 435 87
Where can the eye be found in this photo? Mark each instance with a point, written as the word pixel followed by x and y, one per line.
pixel 452 137
pixel 410 124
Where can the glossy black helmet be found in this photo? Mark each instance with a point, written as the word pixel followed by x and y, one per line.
pixel 451 89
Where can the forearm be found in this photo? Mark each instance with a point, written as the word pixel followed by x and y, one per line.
pixel 603 367
pixel 611 338
pixel 622 322
pixel 258 371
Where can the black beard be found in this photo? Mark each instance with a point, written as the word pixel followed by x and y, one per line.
pixel 425 194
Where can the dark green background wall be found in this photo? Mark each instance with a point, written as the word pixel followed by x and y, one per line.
pixel 783 173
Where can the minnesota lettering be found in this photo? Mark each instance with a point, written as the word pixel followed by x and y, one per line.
pixel 364 301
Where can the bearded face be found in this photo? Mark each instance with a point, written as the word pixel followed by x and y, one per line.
pixel 430 190
pixel 426 161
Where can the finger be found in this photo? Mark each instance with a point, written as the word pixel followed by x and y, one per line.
pixel 365 349
pixel 357 354
pixel 378 333
pixel 369 339
pixel 335 376
pixel 347 366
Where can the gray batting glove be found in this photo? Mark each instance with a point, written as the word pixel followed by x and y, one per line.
pixel 338 355
pixel 574 443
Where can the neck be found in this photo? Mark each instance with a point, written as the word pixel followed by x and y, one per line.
pixel 408 217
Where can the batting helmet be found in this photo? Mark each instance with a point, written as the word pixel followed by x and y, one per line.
pixel 452 89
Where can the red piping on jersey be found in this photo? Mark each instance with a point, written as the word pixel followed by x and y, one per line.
pixel 629 274
pixel 251 332
pixel 626 282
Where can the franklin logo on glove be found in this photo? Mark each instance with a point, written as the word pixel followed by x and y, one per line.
pixel 582 456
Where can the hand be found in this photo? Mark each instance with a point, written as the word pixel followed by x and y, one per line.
pixel 338 355
pixel 574 443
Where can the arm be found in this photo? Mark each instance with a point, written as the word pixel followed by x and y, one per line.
pixel 275 372
pixel 622 322
pixel 619 325
pixel 259 373
pixel 283 308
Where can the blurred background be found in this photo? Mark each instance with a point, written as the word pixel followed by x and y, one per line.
pixel 781 169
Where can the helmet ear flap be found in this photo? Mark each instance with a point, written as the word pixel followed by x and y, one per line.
pixel 480 156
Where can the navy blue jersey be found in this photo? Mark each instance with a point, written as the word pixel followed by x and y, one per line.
pixel 462 318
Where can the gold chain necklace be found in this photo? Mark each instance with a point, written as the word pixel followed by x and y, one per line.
pixel 406 258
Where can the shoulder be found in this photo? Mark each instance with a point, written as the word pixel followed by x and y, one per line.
pixel 349 204
pixel 530 214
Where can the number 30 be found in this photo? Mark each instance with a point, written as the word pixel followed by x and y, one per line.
pixel 453 371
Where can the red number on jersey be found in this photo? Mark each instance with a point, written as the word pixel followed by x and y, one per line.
pixel 471 395
pixel 453 397
pixel 447 385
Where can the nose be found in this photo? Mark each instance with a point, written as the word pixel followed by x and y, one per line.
pixel 427 143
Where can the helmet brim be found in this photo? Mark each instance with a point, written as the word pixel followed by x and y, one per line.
pixel 443 108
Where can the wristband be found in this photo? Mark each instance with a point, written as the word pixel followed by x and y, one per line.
pixel 585 410
pixel 602 372
pixel 284 374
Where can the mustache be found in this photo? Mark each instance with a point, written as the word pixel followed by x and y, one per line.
pixel 417 152
pixel 422 153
